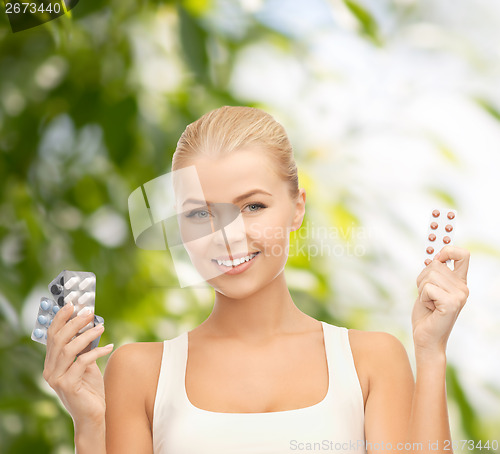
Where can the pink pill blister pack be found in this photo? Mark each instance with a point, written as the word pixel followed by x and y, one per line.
pixel 77 287
pixel 440 232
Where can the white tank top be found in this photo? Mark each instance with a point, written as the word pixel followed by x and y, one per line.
pixel 336 424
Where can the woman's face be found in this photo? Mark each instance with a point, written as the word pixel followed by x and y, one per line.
pixel 243 209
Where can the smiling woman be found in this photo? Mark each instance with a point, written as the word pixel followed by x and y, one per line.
pixel 259 375
pixel 224 180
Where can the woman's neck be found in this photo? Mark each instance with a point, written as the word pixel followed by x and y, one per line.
pixel 258 316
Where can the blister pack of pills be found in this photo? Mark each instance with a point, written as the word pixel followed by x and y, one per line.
pixel 440 232
pixel 77 287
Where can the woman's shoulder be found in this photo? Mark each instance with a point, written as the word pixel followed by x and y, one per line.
pixel 376 348
pixel 133 370
pixel 132 354
pixel 373 341
pixel 138 358
pixel 375 354
pixel 135 348
pixel 136 361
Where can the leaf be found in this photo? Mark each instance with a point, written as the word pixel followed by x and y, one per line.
pixel 488 107
pixel 468 414
pixel 444 196
pixel 193 41
pixel 368 24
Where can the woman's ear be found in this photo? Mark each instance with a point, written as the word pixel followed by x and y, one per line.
pixel 300 210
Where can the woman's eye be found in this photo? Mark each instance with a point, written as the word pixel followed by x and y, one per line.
pixel 194 214
pixel 255 206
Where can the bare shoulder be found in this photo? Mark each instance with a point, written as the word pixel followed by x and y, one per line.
pixel 134 369
pixel 379 343
pixel 137 351
pixel 375 354
pixel 132 362
pixel 377 348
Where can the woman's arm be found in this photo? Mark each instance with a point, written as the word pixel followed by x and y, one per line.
pixel 90 437
pixel 391 387
pixel 131 375
pixel 400 417
pixel 429 427
pixel 442 293
pixel 78 383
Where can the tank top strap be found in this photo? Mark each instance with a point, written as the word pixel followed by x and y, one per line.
pixel 171 378
pixel 343 377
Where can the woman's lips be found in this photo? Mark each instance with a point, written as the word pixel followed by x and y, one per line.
pixel 230 270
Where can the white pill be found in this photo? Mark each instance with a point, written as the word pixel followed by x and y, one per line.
pixel 72 282
pixel 71 297
pixel 85 311
pixel 86 298
pixel 87 284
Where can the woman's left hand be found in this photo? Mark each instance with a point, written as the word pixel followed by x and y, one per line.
pixel 442 294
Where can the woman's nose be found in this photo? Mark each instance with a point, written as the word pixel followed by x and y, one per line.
pixel 228 224
pixel 231 233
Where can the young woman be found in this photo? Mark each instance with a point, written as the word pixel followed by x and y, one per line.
pixel 259 375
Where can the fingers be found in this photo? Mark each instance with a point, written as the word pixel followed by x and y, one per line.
pixel 71 328
pixel 439 274
pixel 70 350
pixel 58 357
pixel 60 319
pixel 460 257
pixel 435 267
pixel 431 293
pixel 60 336
pixel 76 371
pixel 444 303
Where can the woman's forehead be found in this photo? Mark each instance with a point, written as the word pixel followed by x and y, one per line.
pixel 225 179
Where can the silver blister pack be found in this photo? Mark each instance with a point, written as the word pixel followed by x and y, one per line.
pixel 77 287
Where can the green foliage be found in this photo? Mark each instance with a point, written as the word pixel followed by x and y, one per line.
pixel 368 25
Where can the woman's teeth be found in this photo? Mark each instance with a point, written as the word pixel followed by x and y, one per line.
pixel 237 262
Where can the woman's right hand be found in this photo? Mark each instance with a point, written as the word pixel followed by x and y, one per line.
pixel 78 383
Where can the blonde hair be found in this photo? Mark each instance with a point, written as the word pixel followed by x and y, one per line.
pixel 230 128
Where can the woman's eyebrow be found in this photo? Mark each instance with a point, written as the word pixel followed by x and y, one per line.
pixel 236 200
pixel 250 194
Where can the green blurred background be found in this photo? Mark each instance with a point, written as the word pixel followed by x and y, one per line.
pixel 392 107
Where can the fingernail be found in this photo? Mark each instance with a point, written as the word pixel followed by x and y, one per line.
pixel 109 346
pixel 69 304
pixel 85 311
pixel 437 255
